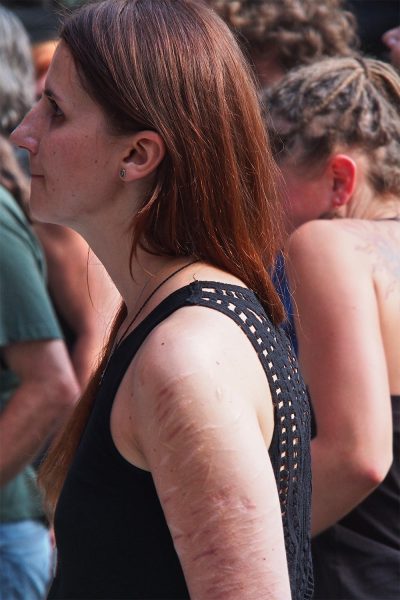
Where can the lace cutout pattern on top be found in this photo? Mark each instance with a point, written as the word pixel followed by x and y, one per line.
pixel 289 450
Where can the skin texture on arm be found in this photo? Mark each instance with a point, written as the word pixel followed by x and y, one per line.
pixel 44 398
pixel 343 362
pixel 201 434
pixel 82 291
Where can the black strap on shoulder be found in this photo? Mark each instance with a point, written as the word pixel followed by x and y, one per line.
pixel 124 354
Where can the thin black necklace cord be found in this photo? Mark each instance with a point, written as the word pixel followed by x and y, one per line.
pixel 123 336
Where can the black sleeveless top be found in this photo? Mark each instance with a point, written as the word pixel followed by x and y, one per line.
pixel 113 541
pixel 359 557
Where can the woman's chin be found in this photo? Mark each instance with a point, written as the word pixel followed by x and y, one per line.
pixel 39 213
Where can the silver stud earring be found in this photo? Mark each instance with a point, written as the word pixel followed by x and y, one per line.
pixel 122 173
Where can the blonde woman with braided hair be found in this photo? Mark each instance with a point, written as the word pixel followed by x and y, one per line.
pixel 335 128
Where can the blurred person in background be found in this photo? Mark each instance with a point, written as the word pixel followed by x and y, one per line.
pixel 279 35
pixel 37 384
pixel 41 20
pixel 335 128
pixel 374 18
pixel 391 39
pixel 83 295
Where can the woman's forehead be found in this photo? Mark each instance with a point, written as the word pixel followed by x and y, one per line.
pixel 63 81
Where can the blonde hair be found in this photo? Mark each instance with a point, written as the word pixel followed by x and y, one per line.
pixel 340 102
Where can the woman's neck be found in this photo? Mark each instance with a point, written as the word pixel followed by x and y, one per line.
pixel 377 211
pixel 134 274
pixel 368 205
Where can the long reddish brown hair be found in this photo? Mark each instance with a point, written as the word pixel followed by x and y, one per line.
pixel 174 67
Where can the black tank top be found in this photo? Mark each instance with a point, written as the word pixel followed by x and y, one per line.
pixel 359 557
pixel 112 537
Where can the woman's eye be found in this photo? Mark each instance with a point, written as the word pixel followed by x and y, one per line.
pixel 57 112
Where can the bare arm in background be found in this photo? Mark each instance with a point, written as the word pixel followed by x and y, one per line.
pixel 82 292
pixel 344 365
pixel 47 392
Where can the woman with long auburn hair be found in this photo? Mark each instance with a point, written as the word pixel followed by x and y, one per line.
pixel 185 469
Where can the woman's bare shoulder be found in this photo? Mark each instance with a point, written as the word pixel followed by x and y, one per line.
pixel 378 242
pixel 323 234
pixel 349 230
pixel 194 339
pixel 325 246
pixel 201 353
pixel 346 241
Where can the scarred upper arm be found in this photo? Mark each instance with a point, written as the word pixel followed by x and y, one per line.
pixel 201 438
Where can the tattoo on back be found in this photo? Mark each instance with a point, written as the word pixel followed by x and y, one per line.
pixel 381 241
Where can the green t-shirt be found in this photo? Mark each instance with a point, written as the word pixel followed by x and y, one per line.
pixel 26 314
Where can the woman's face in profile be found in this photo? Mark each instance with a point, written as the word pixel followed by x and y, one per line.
pixel 73 166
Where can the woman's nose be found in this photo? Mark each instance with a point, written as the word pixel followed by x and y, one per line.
pixel 26 134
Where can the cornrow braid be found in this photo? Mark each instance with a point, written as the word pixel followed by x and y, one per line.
pixel 339 102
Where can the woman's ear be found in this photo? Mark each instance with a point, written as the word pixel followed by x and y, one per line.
pixel 145 152
pixel 343 171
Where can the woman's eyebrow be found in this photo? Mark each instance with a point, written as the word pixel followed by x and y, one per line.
pixel 50 94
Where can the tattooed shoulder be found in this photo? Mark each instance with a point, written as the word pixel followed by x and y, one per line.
pixel 381 242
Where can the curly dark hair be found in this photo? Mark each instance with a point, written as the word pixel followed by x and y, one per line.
pixel 297 31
